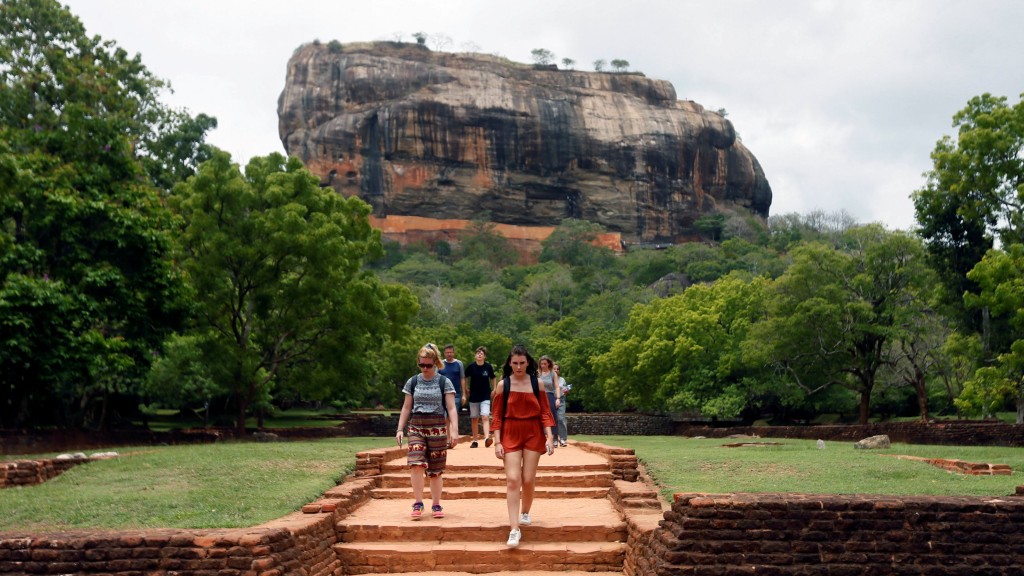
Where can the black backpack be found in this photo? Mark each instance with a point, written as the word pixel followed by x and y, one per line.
pixel 506 384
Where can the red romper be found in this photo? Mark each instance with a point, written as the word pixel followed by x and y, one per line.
pixel 524 420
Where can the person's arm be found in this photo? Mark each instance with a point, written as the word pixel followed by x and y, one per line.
pixel 453 420
pixel 497 413
pixel 403 418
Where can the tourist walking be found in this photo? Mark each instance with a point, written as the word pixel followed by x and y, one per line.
pixel 481 385
pixel 522 424
pixel 430 413
pixel 455 370
pixel 549 379
pixel 560 419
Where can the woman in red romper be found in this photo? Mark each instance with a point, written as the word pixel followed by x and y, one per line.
pixel 522 432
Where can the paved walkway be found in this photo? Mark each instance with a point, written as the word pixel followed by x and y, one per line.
pixel 582 517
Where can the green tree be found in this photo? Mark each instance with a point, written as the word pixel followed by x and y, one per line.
pixel 1000 280
pixel 620 65
pixel 87 284
pixel 599 65
pixel 480 241
pixel 685 352
pixel 276 264
pixel 568 63
pixel 834 312
pixel 974 194
pixel 542 56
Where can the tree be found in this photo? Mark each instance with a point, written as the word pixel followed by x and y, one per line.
pixel 276 265
pixel 685 352
pixel 542 56
pixel 834 312
pixel 974 194
pixel 568 63
pixel 1000 280
pixel 599 65
pixel 421 38
pixel 620 65
pixel 87 284
pixel 480 242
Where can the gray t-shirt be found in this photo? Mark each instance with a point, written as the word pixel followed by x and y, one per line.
pixel 427 398
pixel 548 380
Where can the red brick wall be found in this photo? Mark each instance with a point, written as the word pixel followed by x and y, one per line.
pixel 27 472
pixel 298 544
pixel 809 535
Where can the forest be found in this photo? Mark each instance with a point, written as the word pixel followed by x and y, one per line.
pixel 141 268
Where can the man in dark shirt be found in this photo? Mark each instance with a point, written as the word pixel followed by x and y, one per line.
pixel 481 385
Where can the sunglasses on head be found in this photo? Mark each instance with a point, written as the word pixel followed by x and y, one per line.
pixel 422 365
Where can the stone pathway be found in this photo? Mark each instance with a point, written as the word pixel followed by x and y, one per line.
pixel 583 518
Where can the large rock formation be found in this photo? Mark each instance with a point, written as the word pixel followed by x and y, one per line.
pixel 421 134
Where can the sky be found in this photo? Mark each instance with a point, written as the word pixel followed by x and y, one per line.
pixel 841 101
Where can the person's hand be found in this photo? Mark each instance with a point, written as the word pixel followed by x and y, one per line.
pixel 558 402
pixel 399 436
pixel 465 400
pixel 550 445
pixel 453 439
pixel 499 451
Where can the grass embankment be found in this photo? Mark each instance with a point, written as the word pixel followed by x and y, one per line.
pixel 238 484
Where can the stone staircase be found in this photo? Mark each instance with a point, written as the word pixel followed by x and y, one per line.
pixel 583 516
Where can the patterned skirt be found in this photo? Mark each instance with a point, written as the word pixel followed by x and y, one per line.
pixel 428 442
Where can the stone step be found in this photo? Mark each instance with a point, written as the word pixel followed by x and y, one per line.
pixel 586 478
pixel 541 492
pixel 480 557
pixel 483 521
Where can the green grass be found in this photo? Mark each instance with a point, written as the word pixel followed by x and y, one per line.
pixel 222 485
pixel 238 484
pixel 704 465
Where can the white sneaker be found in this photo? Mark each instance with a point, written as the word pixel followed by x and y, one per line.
pixel 524 518
pixel 513 538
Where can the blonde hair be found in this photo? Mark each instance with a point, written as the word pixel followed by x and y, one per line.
pixel 430 351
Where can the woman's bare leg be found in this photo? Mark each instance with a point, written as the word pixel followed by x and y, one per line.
pixel 529 478
pixel 513 485
pixel 417 483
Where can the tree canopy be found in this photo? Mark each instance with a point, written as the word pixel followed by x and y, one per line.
pixel 87 285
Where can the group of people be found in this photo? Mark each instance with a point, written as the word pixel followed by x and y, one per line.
pixel 517 420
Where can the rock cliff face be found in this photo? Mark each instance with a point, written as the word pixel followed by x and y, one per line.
pixel 454 136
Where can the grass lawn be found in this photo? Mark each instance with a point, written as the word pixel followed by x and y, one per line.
pixel 238 484
pixel 222 485
pixel 704 465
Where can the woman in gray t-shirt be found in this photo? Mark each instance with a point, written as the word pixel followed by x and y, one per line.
pixel 429 410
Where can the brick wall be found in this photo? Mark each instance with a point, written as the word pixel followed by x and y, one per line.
pixel 809 535
pixel 958 433
pixel 27 472
pixel 298 544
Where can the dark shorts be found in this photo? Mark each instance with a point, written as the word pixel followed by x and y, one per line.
pixel 428 442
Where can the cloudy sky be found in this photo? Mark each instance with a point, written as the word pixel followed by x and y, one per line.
pixel 841 101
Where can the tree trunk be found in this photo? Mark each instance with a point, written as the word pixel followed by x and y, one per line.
pixel 922 394
pixel 240 423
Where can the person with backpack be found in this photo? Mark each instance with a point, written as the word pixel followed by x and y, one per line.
pixel 429 411
pixel 521 421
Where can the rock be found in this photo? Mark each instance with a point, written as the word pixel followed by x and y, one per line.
pixel 265 436
pixel 873 442
pixel 74 456
pixel 821 444
pixel 104 455
pixel 434 140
